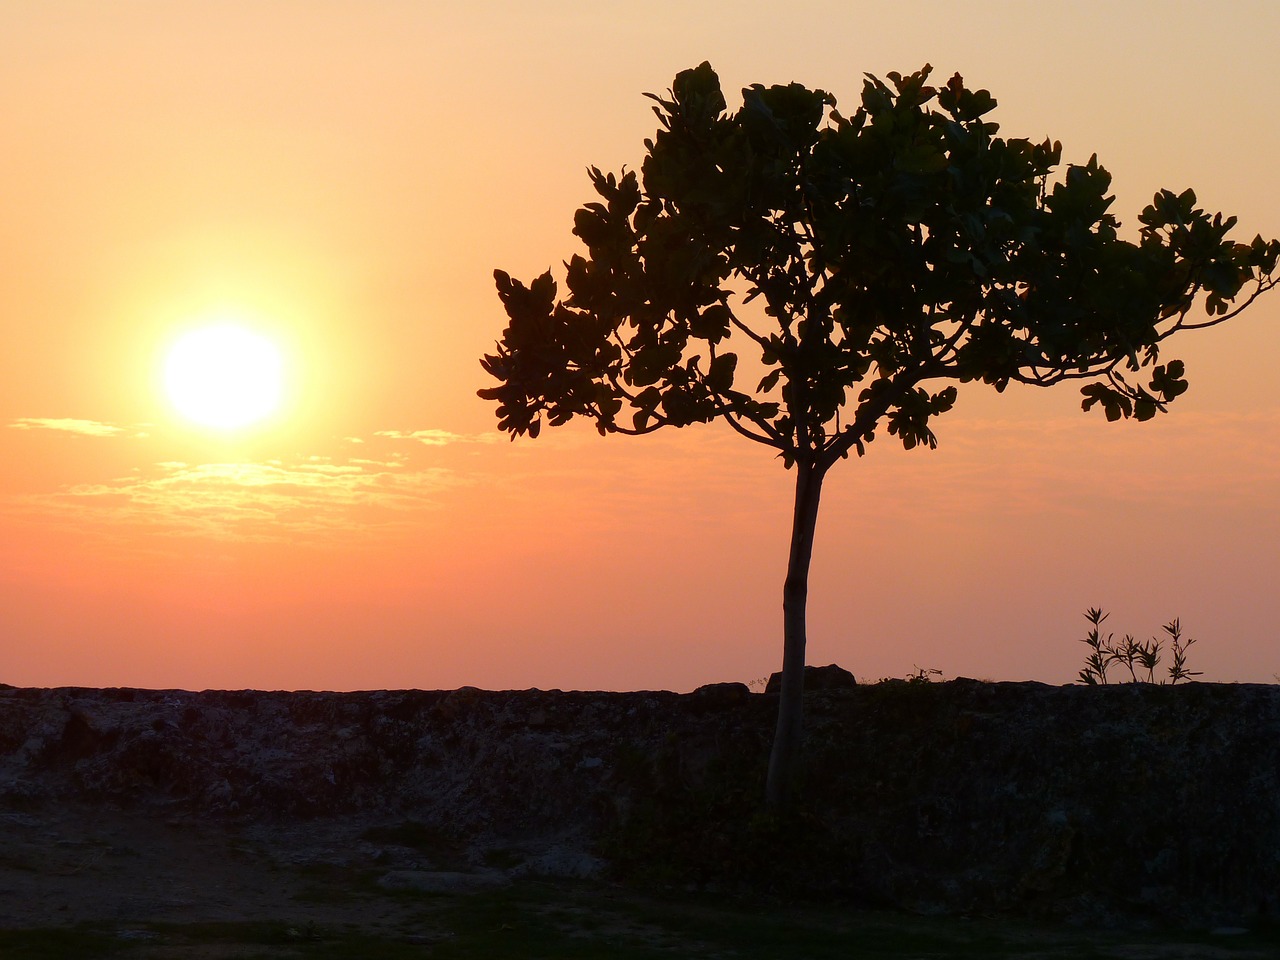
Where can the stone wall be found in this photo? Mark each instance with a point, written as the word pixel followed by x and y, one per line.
pixel 1092 803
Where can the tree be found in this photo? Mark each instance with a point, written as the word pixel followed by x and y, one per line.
pixel 872 262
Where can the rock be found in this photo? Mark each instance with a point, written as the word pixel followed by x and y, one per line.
pixel 720 696
pixel 459 704
pixel 830 677
pixel 442 881
pixel 562 863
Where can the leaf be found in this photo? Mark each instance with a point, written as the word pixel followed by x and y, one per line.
pixel 697 93
pixel 719 378
pixel 1144 408
pixel 923 159
pixel 591 225
pixel 1093 393
pixel 543 292
pixel 712 324
pixel 769 380
pixel 1166 380
pixel 1115 404
pixel 943 401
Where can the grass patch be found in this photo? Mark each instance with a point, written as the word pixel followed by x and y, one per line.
pixel 87 942
pixel 411 834
pixel 581 921
pixel 434 843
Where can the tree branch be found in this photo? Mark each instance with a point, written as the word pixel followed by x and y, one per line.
pixel 1263 285
pixel 866 420
pixel 772 439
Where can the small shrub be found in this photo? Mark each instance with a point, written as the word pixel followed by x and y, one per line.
pixel 923 675
pixel 1139 657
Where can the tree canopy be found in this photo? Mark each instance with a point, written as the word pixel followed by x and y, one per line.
pixel 904 246
pixel 871 263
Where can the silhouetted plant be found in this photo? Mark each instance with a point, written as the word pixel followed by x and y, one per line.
pixel 922 675
pixel 1134 654
pixel 872 262
pixel 1100 654
pixel 1178 669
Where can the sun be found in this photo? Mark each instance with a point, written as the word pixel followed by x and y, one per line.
pixel 224 376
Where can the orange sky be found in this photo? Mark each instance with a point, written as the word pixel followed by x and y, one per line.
pixel 347 175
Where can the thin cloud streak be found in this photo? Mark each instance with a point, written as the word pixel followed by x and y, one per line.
pixel 310 498
pixel 434 438
pixel 86 428
pixel 261 501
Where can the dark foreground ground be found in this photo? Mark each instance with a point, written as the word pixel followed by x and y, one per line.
pixel 959 819
pixel 82 883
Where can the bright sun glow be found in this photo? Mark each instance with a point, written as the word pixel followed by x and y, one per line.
pixel 224 376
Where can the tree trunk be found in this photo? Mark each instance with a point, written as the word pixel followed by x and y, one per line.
pixel 795 597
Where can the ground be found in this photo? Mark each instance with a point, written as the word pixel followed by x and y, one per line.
pixel 83 881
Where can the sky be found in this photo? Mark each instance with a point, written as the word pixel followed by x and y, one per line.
pixel 343 178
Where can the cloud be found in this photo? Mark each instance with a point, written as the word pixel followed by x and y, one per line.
pixel 389 482
pixel 435 438
pixel 313 499
pixel 87 428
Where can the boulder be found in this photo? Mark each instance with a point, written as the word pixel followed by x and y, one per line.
pixel 830 677
pixel 720 696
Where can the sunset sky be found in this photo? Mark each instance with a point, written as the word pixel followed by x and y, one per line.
pixel 343 177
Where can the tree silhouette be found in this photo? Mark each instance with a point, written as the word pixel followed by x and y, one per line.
pixel 870 262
